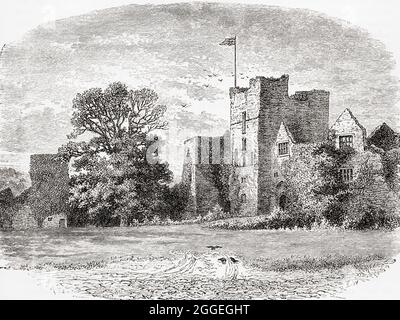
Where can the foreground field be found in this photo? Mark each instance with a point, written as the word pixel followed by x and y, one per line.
pixel 174 261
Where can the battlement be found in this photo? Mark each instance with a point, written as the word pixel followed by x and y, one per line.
pixel 259 82
pixel 306 95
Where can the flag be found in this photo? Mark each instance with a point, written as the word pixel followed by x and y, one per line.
pixel 228 42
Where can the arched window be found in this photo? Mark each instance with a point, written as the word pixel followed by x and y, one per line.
pixel 282 202
pixel 243 198
pixel 236 157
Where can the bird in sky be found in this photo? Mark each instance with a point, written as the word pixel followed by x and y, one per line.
pixel 2 49
pixel 234 260
pixel 223 260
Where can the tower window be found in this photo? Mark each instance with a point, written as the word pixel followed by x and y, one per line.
pixel 283 148
pixel 346 174
pixel 244 122
pixel 345 141
pixel 244 144
pixel 236 156
pixel 243 198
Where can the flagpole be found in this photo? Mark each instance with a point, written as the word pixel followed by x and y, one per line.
pixel 234 53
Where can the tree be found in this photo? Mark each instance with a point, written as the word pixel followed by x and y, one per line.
pixel 117 179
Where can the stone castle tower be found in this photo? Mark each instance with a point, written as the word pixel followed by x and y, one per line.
pixel 50 186
pixel 264 124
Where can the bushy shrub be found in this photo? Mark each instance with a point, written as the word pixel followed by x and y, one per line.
pixel 215 214
pixel 371 204
pixel 302 178
pixel 176 200
pixel 371 217
pixel 242 223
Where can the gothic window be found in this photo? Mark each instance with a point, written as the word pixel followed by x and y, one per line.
pixel 244 122
pixel 244 144
pixel 283 148
pixel 243 179
pixel 346 174
pixel 243 198
pixel 276 174
pixel 345 141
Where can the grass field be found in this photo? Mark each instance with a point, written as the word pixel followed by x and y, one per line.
pixel 174 261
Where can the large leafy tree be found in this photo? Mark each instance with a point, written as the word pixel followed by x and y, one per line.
pixel 118 177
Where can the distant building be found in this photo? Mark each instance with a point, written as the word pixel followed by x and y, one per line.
pixel 384 137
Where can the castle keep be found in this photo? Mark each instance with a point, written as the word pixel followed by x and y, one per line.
pixel 265 122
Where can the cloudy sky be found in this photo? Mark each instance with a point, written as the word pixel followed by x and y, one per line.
pixel 379 17
pixel 176 52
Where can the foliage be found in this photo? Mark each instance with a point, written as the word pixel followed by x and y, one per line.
pixel 301 180
pixel 118 179
pixel 333 185
pixel 215 214
pixel 370 216
pixel 391 165
pixel 176 199
pixel 317 264
pixel 17 181
pixel 222 174
pixel 372 203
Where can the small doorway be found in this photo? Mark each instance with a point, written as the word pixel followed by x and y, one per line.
pixel 61 223
pixel 282 202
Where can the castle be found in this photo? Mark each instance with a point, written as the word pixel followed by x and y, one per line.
pixel 265 126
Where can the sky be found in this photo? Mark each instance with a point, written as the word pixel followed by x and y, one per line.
pixel 53 64
pixel 379 17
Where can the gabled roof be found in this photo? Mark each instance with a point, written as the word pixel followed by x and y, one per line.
pixel 289 134
pixel 347 110
pixel 383 126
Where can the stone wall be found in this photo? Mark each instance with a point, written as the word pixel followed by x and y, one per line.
pixel 24 219
pixel 207 150
pixel 273 107
pixel 308 117
pixel 55 221
pixel 207 188
pixel 204 159
pixel 244 191
pixel 50 186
